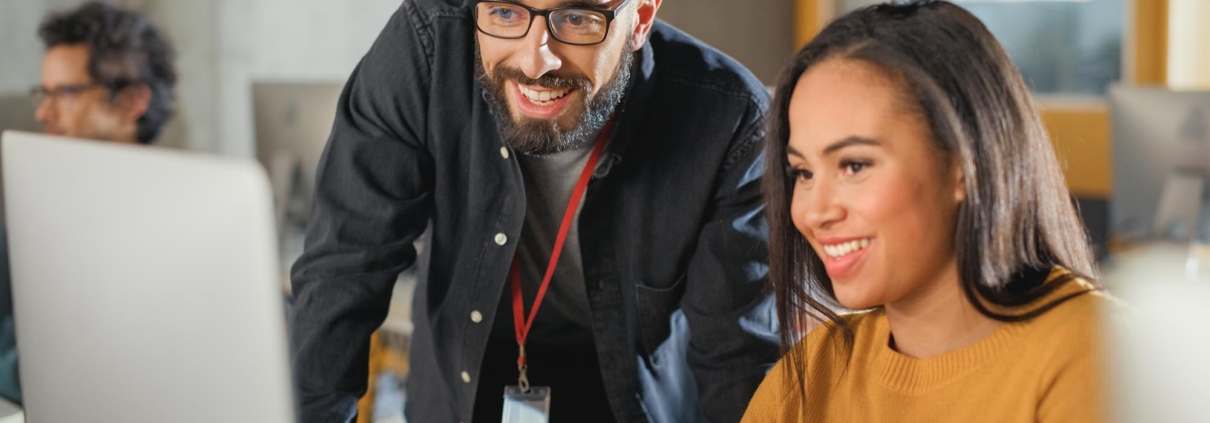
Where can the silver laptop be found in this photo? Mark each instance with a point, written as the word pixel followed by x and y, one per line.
pixel 145 284
pixel 1158 359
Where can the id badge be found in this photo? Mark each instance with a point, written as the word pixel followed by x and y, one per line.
pixel 526 407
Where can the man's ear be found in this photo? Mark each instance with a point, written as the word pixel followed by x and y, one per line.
pixel 646 19
pixel 132 102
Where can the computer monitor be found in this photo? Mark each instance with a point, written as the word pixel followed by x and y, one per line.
pixel 293 122
pixel 145 284
pixel 17 113
pixel 1161 153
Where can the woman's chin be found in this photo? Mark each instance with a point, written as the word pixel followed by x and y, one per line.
pixel 857 300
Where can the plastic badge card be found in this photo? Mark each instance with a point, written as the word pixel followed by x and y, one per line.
pixel 526 407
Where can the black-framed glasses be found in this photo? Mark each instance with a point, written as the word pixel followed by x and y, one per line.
pixel 39 94
pixel 575 25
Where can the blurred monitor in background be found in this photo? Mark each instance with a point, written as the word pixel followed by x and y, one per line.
pixel 1161 157
pixel 17 114
pixel 293 121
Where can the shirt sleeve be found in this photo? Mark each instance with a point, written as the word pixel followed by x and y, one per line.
pixel 372 200
pixel 732 321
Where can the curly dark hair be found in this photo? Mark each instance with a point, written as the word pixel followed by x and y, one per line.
pixel 125 49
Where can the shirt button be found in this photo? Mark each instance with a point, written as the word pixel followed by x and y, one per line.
pixel 504 152
pixel 466 377
pixel 501 239
pixel 476 316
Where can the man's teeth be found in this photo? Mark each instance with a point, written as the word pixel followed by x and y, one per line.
pixel 543 96
pixel 846 248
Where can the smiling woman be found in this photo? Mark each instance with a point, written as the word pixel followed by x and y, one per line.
pixel 909 176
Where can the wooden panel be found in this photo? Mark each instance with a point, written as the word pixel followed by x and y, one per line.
pixel 365 406
pixel 808 21
pixel 1082 142
pixel 1150 42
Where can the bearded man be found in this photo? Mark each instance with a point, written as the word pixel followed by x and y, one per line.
pixel 589 176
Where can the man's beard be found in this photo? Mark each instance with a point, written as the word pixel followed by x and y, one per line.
pixel 540 137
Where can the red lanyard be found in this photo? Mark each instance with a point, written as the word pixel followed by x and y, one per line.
pixel 522 327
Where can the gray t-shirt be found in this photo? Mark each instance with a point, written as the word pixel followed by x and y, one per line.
pixel 564 317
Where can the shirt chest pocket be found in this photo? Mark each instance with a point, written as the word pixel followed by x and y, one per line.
pixel 655 306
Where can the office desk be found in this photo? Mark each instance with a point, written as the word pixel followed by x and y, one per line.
pixel 10 413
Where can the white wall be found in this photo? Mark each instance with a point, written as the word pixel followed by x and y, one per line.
pixel 190 26
pixel 20 48
pixel 286 40
pixel 226 45
pixel 223 46
pixel 1189 44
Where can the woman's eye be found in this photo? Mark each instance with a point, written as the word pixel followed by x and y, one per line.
pixel 800 175
pixel 853 167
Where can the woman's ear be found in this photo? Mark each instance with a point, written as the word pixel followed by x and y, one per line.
pixel 959 179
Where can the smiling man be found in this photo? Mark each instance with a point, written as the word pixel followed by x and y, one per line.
pixel 589 176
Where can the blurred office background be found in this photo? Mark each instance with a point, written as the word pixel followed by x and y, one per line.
pixel 259 79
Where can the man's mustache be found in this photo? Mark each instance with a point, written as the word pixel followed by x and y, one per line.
pixel 503 73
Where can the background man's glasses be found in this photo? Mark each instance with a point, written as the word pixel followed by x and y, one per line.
pixel 41 94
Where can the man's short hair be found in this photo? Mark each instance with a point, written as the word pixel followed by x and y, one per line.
pixel 125 49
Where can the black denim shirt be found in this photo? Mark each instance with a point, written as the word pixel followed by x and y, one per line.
pixel 672 230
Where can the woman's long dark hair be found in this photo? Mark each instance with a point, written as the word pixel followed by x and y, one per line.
pixel 1017 221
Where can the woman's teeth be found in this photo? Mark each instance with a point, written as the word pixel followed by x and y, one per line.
pixel 846 248
pixel 543 98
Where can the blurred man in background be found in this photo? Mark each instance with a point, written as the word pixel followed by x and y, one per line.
pixel 108 75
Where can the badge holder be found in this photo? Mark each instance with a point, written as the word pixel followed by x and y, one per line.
pixel 526 404
pixel 523 403
pixel 526 407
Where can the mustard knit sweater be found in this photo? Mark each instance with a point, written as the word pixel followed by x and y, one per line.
pixel 1043 370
